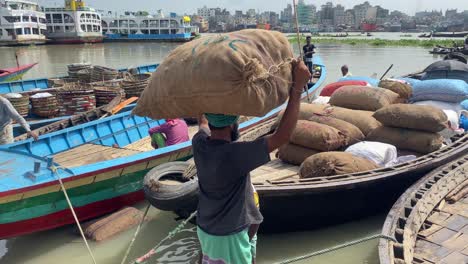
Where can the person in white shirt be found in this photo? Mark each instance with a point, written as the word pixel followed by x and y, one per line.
pixel 345 71
pixel 7 114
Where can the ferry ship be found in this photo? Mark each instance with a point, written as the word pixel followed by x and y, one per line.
pixel 73 24
pixel 21 23
pixel 143 27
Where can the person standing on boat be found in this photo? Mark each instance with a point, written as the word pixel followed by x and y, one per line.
pixel 7 114
pixel 466 42
pixel 345 71
pixel 309 50
pixel 174 130
pixel 228 215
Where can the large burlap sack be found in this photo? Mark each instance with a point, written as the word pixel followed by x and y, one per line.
pixel 363 97
pixel 419 141
pixel 361 119
pixel 240 73
pixel 403 89
pixel 334 163
pixel 352 133
pixel 295 154
pixel 419 117
pixel 317 136
pixel 113 224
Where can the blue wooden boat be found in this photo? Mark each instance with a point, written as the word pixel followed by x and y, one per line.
pixel 103 165
pixel 43 83
pixel 28 85
pixel 42 126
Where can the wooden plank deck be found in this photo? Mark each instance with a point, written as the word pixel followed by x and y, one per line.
pixel 90 153
pixel 275 170
pixel 444 237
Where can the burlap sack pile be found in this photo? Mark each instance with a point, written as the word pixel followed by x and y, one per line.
pixel 410 127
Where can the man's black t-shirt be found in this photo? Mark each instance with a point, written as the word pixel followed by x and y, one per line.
pixel 226 202
pixel 308 48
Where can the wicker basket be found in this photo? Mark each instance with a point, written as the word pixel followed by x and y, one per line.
pixel 100 74
pixel 105 95
pixel 135 84
pixel 20 104
pixel 73 69
pixel 75 99
pixel 45 106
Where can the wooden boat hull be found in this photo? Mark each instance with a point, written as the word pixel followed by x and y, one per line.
pixel 312 203
pixel 95 114
pixel 92 194
pixel 18 130
pixel 15 74
pixel 423 237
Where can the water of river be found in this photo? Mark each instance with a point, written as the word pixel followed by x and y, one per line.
pixel 65 246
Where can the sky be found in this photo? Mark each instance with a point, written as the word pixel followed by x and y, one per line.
pixel 190 6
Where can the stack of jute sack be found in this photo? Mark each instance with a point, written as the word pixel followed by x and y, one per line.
pixel 401 88
pixel 410 127
pixel 322 128
pixel 248 72
pixel 324 131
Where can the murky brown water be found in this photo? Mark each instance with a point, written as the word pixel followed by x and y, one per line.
pixel 65 246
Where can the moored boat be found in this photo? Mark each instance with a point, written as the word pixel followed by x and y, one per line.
pixel 430 220
pixel 21 23
pixel 16 73
pixel 143 27
pixel 95 114
pixel 104 164
pixel 291 203
pixel 73 24
pixel 445 50
pixel 444 35
pixel 43 83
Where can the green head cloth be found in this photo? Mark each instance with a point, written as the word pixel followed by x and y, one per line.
pixel 219 120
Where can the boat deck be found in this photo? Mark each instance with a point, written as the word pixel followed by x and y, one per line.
pixel 91 153
pixel 276 170
pixel 443 237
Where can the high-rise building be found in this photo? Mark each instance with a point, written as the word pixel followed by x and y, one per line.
pixel 305 13
pixel 206 12
pixel 451 13
pixel 339 15
pixel 360 12
pixel 287 14
pixel 349 18
pixel 251 13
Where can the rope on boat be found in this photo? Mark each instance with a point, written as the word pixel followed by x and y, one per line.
pixel 135 235
pixel 55 171
pixel 299 43
pixel 334 248
pixel 171 234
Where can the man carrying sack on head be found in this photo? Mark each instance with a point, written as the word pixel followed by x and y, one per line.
pixel 228 217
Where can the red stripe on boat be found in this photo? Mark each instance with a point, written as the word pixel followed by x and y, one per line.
pixel 65 217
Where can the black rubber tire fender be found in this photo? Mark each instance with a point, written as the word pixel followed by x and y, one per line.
pixel 171 197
